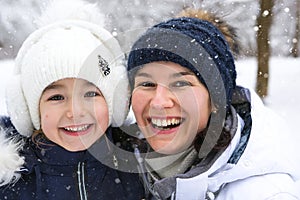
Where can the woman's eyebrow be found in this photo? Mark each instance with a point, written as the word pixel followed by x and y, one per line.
pixel 142 74
pixel 174 75
pixel 180 74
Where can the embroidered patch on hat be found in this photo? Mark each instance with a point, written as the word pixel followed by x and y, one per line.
pixel 103 65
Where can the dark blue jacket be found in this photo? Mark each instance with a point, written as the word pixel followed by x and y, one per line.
pixel 51 172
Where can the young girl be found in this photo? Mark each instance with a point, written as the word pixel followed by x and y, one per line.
pixel 70 86
pixel 207 138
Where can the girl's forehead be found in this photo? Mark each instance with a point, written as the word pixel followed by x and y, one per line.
pixel 70 83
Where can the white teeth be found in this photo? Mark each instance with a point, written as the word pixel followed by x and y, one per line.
pixel 77 129
pixel 165 122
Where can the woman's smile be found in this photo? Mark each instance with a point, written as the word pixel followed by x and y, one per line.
pixel 171 106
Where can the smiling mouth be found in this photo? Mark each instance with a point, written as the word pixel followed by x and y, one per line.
pixel 75 129
pixel 166 124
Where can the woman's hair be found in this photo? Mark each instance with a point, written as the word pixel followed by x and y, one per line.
pixel 223 141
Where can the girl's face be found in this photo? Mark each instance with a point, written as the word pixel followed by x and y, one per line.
pixel 74 113
pixel 170 105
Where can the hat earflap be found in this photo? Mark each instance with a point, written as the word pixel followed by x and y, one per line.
pixel 17 107
pixel 120 94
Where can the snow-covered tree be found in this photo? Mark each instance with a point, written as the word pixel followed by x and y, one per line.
pixel 264 23
pixel 16 23
pixel 124 17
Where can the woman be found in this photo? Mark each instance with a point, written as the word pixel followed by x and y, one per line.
pixel 207 138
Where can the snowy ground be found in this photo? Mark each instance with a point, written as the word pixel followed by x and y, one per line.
pixel 284 86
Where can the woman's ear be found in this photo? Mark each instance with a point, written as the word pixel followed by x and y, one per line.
pixel 213 107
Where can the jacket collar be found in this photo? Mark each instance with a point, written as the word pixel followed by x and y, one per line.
pixel 52 154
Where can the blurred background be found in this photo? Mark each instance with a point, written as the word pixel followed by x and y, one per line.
pixel 17 20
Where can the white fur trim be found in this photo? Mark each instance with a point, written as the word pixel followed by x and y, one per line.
pixel 10 161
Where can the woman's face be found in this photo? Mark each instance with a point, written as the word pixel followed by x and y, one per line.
pixel 74 113
pixel 170 105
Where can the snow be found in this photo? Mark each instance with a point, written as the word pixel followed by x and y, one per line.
pixel 6 71
pixel 284 85
pixel 18 19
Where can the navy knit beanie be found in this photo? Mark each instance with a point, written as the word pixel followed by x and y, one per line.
pixel 192 43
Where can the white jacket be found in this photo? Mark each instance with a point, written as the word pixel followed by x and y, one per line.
pixel 268 169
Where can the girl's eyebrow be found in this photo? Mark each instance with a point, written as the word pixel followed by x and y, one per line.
pixel 87 83
pixel 53 86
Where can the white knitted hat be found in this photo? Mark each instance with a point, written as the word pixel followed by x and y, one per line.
pixel 67 49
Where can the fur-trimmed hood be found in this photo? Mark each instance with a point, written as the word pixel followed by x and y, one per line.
pixel 10 160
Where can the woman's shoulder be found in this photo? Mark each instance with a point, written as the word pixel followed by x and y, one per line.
pixel 268 186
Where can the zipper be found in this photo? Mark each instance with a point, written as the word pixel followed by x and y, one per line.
pixel 81 181
pixel 143 173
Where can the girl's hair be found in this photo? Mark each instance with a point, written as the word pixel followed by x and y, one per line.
pixel 38 138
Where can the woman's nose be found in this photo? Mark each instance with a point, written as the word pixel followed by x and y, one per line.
pixel 163 98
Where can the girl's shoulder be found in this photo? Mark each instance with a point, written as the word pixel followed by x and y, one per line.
pixel 10 147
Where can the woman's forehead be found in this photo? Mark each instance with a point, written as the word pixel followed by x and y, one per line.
pixel 163 66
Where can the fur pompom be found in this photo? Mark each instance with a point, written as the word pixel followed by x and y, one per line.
pixel 228 31
pixel 58 10
pixel 10 161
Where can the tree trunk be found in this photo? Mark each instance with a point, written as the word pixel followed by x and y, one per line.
pixel 296 38
pixel 264 21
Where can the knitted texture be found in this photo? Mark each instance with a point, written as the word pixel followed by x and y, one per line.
pixel 67 49
pixel 195 44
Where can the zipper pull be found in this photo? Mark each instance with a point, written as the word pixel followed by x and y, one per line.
pixel 115 161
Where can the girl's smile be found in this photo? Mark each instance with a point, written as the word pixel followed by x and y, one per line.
pixel 77 130
pixel 74 113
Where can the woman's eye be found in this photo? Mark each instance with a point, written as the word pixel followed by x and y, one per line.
pixel 181 84
pixel 92 94
pixel 56 98
pixel 146 84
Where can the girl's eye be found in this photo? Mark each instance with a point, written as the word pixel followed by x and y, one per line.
pixel 181 84
pixel 92 94
pixel 56 98
pixel 146 84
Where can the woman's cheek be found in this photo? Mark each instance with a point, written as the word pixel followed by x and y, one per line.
pixel 138 100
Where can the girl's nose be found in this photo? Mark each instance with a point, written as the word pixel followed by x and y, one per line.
pixel 75 108
pixel 163 98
